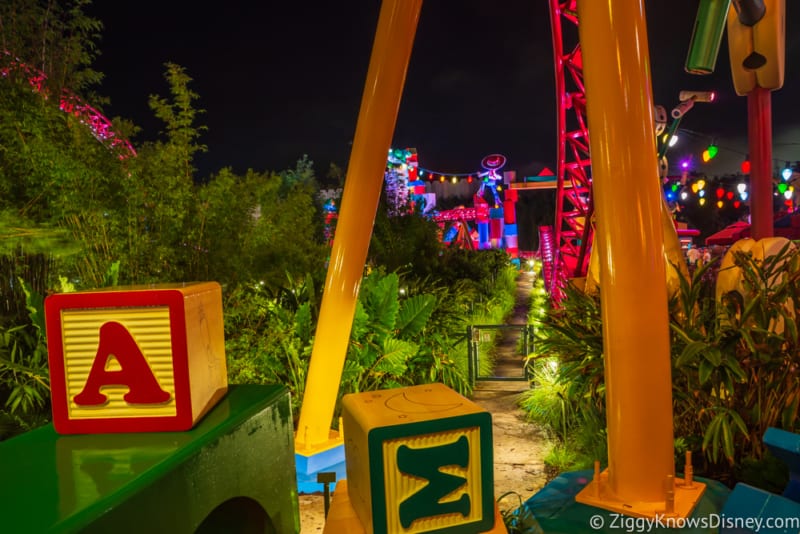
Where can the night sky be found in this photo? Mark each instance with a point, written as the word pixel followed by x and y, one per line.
pixel 281 79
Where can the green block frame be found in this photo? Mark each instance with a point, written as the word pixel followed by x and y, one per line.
pixel 376 437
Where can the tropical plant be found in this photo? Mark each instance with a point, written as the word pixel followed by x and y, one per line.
pixel 56 38
pixel 734 361
pixel 444 344
pixel 563 457
pixel 269 337
pixel 578 430
pixel 546 402
pixel 265 342
pixel 384 334
pixel 572 334
pixel 24 374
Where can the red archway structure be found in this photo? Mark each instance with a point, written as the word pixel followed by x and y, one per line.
pixel 568 243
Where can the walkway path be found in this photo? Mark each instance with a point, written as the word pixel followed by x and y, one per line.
pixel 519 446
pixel 509 363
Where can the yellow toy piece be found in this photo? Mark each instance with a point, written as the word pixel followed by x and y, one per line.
pixel 391 52
pixel 758 52
pixel 730 277
pixel 673 255
pixel 419 459
pixel 145 358
pixel 342 517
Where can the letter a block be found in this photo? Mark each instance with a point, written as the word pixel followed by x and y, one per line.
pixel 419 459
pixel 135 359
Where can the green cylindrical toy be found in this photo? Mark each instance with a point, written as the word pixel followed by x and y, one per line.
pixel 707 36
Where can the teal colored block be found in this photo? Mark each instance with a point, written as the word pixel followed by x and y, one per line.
pixel 785 446
pixel 750 510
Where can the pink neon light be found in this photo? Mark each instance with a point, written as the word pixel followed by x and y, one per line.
pixel 98 124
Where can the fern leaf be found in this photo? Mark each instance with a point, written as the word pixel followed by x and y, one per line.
pixel 382 303
pixel 396 353
pixel 414 314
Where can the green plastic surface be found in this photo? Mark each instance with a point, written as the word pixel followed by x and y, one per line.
pixel 234 472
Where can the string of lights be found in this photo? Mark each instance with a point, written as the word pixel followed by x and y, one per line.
pixel 399 157
pixel 781 165
pixel 725 192
pixel 701 136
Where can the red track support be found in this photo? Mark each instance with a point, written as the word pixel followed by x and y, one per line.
pixel 573 230
pixel 759 121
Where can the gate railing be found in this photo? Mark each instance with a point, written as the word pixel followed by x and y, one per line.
pixel 481 335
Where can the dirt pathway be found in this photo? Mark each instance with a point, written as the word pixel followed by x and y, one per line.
pixel 519 446
pixel 509 363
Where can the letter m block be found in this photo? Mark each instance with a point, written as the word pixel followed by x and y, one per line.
pixel 135 359
pixel 419 459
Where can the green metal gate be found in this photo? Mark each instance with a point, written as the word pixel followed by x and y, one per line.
pixel 481 338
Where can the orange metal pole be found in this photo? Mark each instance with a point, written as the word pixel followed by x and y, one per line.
pixel 630 241
pixel 380 102
pixel 759 133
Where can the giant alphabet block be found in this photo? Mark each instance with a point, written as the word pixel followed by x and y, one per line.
pixel 419 459
pixel 135 359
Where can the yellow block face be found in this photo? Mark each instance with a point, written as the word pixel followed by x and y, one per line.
pixel 149 327
pixel 419 459
pixel 400 486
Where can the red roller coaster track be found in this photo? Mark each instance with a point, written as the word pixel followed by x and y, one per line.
pixel 70 103
pixel 565 247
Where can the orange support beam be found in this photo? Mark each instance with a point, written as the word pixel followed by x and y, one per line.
pixel 391 52
pixel 627 198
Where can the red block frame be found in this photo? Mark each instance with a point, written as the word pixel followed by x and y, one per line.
pixel 170 296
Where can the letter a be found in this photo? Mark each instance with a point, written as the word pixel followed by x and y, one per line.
pixel 142 385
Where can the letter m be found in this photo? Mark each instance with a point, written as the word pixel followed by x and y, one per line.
pixel 425 463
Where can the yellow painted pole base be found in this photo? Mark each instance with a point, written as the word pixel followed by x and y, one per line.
pixel 342 518
pixel 334 440
pixel 686 496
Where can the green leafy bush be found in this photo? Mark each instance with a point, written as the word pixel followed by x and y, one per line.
pixel 24 374
pixel 405 330
pixel 734 362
